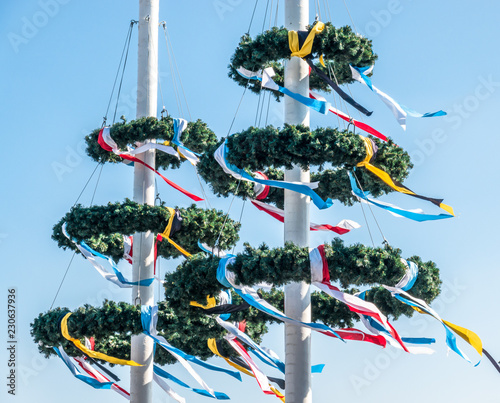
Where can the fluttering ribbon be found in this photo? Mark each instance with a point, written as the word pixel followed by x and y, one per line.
pixel 492 360
pixel 241 365
pixel 100 377
pixel 89 352
pixel 227 279
pixel 415 215
pixel 167 389
pixel 299 187
pixel 348 119
pixel 371 150
pixel 149 318
pixel 171 229
pixel 265 77
pixel 320 277
pixel 117 278
pixel 89 380
pixel 406 283
pixel 337 89
pixel 108 144
pixel 260 377
pixel 128 248
pixel 421 307
pixel 399 111
pixel 306 48
pixel 90 344
pixel 343 227
pixel 212 309
pixel 179 126
pixel 261 191
pixel 166 375
pixel 269 359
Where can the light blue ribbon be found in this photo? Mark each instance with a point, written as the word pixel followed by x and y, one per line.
pixel 410 112
pixel 295 187
pixel 82 377
pixel 164 374
pixel 177 136
pixel 146 318
pixel 221 277
pixel 319 106
pixel 144 283
pixel 394 209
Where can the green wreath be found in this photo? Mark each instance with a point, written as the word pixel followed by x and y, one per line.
pixel 103 227
pixel 182 324
pixel 255 149
pixel 197 137
pixel 339 47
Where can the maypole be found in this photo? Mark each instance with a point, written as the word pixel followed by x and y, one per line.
pixel 141 378
pixel 297 295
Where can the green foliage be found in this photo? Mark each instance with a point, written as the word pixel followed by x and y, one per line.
pixel 101 227
pixel 269 149
pixel 188 328
pixel 339 47
pixel 356 265
pixel 197 137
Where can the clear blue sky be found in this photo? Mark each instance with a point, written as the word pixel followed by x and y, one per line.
pixel 57 71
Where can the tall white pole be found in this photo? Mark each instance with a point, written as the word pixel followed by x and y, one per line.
pixel 297 295
pixel 141 378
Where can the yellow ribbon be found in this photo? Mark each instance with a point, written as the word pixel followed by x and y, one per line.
pixel 91 353
pixel 168 229
pixel 386 178
pixel 293 41
pixel 210 303
pixel 468 335
pixel 212 345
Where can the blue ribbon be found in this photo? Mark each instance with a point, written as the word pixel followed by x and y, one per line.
pixel 84 378
pixel 319 106
pixel 303 189
pixel 451 340
pixel 177 136
pixel 411 112
pixel 145 282
pixel 164 374
pixel 221 277
pixel 394 209
pixel 146 318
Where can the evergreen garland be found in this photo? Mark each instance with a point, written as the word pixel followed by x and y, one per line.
pixel 356 265
pixel 339 47
pixel 102 227
pixel 197 137
pixel 269 149
pixel 188 328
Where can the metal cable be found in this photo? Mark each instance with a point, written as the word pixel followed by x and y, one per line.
pixel 123 72
pixel 129 33
pixel 253 15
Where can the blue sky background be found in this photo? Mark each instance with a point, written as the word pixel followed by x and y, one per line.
pixel 55 83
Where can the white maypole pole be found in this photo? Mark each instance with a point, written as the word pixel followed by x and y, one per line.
pixel 297 295
pixel 141 378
